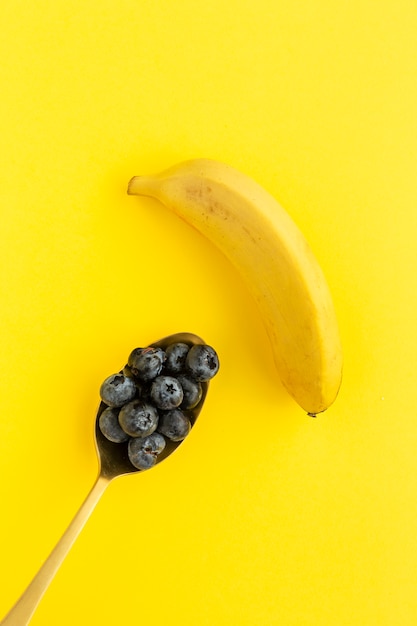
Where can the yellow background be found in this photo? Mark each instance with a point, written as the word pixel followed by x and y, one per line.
pixel 264 516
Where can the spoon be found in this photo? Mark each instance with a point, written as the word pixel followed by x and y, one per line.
pixel 113 462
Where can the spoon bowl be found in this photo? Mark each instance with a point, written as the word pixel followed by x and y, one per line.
pixel 113 457
pixel 113 462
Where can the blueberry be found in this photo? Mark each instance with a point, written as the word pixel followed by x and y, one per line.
pixel 143 452
pixel 192 390
pixel 117 389
pixel 174 424
pixel 166 392
pixel 176 354
pixel 138 418
pixel 141 387
pixel 110 427
pixel 202 362
pixel 146 363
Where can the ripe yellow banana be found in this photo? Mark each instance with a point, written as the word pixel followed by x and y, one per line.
pixel 272 255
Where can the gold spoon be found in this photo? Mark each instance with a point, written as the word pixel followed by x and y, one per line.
pixel 113 462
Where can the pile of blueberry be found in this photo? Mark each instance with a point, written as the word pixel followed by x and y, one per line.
pixel 153 400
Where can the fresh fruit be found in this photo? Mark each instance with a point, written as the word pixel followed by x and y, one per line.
pixel 272 255
pixel 192 391
pixel 161 401
pixel 176 354
pixel 166 392
pixel 117 389
pixel 174 424
pixel 138 418
pixel 202 362
pixel 110 427
pixel 143 452
pixel 146 363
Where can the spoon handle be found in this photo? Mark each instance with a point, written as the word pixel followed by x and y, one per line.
pixel 21 613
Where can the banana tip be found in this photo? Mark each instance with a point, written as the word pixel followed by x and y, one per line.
pixel 131 185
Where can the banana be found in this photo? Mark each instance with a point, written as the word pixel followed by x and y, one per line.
pixel 261 240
